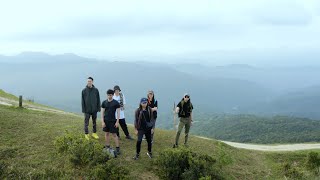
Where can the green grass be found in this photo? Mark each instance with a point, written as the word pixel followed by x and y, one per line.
pixel 27 147
pixel 7 95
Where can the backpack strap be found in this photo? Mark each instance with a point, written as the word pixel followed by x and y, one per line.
pixel 121 99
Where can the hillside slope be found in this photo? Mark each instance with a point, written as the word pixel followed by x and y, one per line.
pixel 27 149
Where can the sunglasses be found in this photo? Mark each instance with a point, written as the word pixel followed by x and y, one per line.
pixel 187 96
pixel 144 103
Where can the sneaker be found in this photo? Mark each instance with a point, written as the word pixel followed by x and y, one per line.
pixel 136 157
pixel 129 137
pixel 95 136
pixel 87 136
pixel 175 146
pixel 149 154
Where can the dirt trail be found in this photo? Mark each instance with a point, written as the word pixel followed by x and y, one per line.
pixel 280 147
pixel 27 105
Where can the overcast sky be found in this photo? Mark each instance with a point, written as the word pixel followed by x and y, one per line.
pixel 101 28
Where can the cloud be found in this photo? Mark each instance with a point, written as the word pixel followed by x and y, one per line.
pixel 159 26
pixel 283 13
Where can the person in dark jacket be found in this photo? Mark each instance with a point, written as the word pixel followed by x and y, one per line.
pixel 143 124
pixel 184 110
pixel 153 104
pixel 90 100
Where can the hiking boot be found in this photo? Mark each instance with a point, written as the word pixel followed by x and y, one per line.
pixel 87 136
pixel 136 157
pixel 129 137
pixel 175 146
pixel 149 154
pixel 95 136
pixel 118 150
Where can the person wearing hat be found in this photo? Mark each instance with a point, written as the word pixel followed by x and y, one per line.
pixel 90 101
pixel 184 110
pixel 118 96
pixel 110 113
pixel 144 122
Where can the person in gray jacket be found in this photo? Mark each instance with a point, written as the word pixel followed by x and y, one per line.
pixel 90 101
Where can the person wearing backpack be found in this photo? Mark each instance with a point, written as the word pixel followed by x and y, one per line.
pixel 153 104
pixel 184 110
pixel 90 101
pixel 118 96
pixel 144 123
pixel 110 114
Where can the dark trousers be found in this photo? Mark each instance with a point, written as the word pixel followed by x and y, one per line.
pixel 147 133
pixel 124 127
pixel 153 131
pixel 86 122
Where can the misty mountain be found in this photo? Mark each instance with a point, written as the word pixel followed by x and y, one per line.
pixel 41 57
pixel 279 79
pixel 52 81
pixel 302 103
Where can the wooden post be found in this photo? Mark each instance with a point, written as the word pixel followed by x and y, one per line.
pixel 20 101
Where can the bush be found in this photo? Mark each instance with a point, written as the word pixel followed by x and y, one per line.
pixel 313 162
pixel 3 167
pixel 109 171
pixel 81 151
pixel 185 164
pixel 291 171
pixel 89 155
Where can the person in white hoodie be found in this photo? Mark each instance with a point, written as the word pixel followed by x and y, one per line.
pixel 118 96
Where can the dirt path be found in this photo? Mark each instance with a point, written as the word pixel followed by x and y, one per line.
pixel 10 102
pixel 281 147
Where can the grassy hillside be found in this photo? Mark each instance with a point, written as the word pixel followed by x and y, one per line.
pixel 27 150
pixel 257 129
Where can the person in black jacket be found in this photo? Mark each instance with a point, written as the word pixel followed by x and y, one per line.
pixel 153 104
pixel 143 124
pixel 184 110
pixel 90 100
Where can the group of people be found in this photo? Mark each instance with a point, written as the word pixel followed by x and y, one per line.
pixel 113 116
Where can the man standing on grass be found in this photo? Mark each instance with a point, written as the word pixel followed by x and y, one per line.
pixel 110 114
pixel 184 110
pixel 90 100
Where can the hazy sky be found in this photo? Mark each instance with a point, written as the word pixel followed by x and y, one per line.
pixel 101 28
